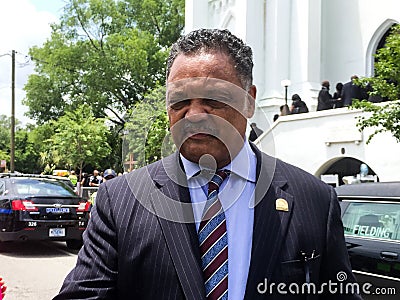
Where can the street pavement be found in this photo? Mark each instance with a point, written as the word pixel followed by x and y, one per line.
pixel 34 270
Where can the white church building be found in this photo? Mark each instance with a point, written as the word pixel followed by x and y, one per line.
pixel 300 43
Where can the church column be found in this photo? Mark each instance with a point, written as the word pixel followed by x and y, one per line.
pixel 277 47
pixel 305 48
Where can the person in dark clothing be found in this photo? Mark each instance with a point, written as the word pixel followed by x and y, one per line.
pixel 255 132
pixel 325 100
pixel 85 180
pixel 298 105
pixel 337 96
pixel 285 110
pixel 352 91
pixel 95 179
pixel 373 97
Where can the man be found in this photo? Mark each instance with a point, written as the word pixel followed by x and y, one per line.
pixel 298 105
pixel 95 180
pixel 163 231
pixel 325 100
pixel 255 132
pixel 73 178
pixel 352 91
pixel 109 174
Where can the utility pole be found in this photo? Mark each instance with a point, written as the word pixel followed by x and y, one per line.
pixel 12 135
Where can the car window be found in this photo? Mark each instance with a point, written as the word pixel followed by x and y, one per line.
pixel 35 187
pixel 373 220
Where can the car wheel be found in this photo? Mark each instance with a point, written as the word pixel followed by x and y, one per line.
pixel 74 244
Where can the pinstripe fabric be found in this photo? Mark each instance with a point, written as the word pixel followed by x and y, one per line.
pixel 130 252
pixel 213 240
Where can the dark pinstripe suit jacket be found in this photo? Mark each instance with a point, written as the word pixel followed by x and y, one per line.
pixel 134 250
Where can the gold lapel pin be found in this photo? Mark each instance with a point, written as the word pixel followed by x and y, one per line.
pixel 281 204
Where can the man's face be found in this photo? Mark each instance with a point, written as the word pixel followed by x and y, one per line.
pixel 207 107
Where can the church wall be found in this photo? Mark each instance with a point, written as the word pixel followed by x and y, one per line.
pixel 348 28
pixel 306 41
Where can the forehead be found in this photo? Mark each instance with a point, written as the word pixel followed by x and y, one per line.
pixel 215 64
pixel 206 88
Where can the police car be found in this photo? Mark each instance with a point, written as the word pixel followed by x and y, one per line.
pixel 371 221
pixel 38 207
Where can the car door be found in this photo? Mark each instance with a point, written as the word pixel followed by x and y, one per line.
pixel 372 231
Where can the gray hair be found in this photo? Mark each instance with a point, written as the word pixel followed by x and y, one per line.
pixel 216 40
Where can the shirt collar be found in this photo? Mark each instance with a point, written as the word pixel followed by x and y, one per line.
pixel 243 165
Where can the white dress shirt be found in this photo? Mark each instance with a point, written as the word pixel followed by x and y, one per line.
pixel 237 197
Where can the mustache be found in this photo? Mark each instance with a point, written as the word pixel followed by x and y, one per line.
pixel 193 128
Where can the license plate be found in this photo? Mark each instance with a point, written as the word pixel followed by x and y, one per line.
pixel 57 210
pixel 56 232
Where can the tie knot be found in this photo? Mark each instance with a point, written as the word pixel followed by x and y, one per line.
pixel 217 180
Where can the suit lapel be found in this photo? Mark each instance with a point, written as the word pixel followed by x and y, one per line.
pixel 270 224
pixel 172 205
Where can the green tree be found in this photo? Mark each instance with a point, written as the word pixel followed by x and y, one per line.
pixel 105 53
pixel 385 83
pixel 80 138
pixel 146 133
pixel 5 124
pixel 27 159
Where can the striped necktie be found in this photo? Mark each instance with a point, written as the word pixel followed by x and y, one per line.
pixel 213 241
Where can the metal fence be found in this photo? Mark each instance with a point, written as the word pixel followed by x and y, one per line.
pixel 86 192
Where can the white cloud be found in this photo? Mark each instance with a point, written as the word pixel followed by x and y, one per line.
pixel 21 27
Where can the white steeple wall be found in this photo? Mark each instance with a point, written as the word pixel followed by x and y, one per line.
pixel 306 41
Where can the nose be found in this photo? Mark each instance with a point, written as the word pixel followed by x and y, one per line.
pixel 196 111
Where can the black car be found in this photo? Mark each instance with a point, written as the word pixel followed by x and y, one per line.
pixel 371 221
pixel 37 207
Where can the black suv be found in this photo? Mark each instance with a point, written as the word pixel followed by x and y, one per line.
pixel 371 221
pixel 38 207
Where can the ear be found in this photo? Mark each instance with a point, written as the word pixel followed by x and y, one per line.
pixel 250 102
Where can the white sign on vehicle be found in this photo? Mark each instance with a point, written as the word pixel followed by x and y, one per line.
pixel 56 232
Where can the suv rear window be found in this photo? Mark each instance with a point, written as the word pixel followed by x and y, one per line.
pixel 39 187
pixel 373 220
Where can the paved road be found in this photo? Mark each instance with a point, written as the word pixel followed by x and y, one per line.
pixel 34 270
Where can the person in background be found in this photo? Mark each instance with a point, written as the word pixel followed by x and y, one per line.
pixel 324 97
pixel 85 180
pixel 337 96
pixel 298 105
pixel 284 109
pixel 73 178
pixel 255 132
pixel 95 179
pixel 352 91
pixel 109 174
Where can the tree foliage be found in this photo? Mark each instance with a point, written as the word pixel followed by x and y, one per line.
pixel 146 133
pixel 105 53
pixel 79 138
pixel 26 154
pixel 382 117
pixel 385 83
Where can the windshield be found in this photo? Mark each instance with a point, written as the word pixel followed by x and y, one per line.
pixel 41 187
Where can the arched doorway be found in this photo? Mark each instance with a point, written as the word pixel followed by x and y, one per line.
pixel 377 42
pixel 343 167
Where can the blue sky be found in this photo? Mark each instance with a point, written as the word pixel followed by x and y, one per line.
pixel 23 24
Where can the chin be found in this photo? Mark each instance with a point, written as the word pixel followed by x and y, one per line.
pixel 194 151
